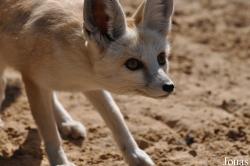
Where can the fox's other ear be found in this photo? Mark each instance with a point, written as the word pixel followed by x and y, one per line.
pixel 104 20
pixel 155 15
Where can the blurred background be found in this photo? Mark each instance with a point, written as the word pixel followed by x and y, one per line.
pixel 206 120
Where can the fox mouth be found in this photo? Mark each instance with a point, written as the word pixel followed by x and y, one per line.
pixel 143 93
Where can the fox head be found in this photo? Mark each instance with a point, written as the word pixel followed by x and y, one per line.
pixel 132 54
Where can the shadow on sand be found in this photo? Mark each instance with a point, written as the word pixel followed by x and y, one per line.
pixel 12 92
pixel 28 154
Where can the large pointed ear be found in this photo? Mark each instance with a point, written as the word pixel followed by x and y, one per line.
pixel 155 15
pixel 104 20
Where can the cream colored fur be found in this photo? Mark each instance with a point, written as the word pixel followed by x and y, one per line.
pixel 64 45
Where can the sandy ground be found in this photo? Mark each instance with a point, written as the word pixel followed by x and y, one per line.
pixel 206 120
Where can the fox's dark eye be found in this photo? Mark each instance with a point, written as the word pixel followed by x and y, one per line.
pixel 134 64
pixel 161 58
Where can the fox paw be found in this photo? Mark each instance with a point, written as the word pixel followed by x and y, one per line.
pixel 73 129
pixel 139 158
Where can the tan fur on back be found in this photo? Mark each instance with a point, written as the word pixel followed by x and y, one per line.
pixel 35 33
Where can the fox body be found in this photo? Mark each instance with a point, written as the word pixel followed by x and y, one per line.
pixel 88 46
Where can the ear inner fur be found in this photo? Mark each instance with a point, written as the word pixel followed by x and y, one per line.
pixel 104 21
pixel 101 18
pixel 155 15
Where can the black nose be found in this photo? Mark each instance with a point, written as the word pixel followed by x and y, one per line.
pixel 168 88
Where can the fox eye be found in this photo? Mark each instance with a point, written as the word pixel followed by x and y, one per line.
pixel 161 58
pixel 134 64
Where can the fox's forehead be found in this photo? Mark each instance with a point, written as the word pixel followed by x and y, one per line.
pixel 137 42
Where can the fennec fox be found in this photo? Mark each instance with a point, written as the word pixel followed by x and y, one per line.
pixel 88 46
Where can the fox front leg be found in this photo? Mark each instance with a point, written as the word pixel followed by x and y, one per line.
pixel 111 114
